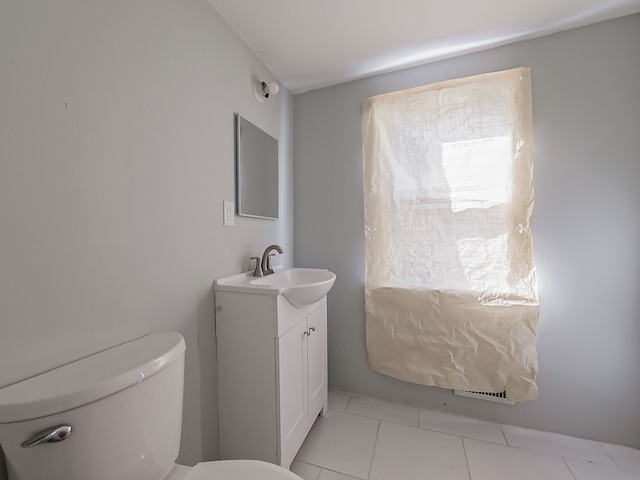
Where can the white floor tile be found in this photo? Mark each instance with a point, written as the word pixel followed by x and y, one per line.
pixel 341 442
pixel 305 471
pixel 329 475
pixel 557 444
pixel 489 461
pixel 347 444
pixel 391 412
pixel 584 470
pixel 408 453
pixel 338 401
pixel 463 426
pixel 625 457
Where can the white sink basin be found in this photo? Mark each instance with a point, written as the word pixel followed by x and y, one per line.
pixel 300 286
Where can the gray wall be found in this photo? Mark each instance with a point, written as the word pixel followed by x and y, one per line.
pixel 586 227
pixel 116 153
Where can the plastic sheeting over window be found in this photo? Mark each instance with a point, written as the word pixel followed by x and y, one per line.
pixel 450 291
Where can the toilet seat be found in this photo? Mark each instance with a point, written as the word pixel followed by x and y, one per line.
pixel 239 470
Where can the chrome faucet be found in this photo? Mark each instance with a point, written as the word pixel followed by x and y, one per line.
pixel 267 269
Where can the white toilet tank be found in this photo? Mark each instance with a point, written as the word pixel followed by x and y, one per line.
pixel 123 406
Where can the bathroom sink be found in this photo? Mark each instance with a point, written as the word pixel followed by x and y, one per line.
pixel 300 286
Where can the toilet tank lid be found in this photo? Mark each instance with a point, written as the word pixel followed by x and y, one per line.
pixel 90 378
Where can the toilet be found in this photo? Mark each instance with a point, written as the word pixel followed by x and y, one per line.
pixel 114 415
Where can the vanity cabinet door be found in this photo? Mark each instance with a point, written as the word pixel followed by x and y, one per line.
pixel 317 360
pixel 302 380
pixel 293 393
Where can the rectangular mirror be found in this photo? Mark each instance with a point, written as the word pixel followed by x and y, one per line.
pixel 256 171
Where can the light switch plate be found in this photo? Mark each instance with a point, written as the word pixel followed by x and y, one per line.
pixel 228 215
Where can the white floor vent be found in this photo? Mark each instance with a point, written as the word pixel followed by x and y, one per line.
pixel 500 397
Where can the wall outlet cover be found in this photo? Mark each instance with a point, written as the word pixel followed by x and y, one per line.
pixel 228 215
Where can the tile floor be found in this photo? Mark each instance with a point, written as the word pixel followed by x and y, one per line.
pixel 368 439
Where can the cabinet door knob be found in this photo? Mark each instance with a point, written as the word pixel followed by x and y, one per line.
pixel 311 329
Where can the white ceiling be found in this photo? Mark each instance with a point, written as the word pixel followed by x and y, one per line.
pixel 312 44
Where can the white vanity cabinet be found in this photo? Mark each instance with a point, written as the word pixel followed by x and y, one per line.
pixel 272 374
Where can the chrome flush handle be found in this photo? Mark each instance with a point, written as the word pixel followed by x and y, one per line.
pixel 50 435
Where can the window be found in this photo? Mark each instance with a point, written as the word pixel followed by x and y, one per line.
pixel 450 288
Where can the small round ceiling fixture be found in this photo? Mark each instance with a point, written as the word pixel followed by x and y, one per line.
pixel 263 91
